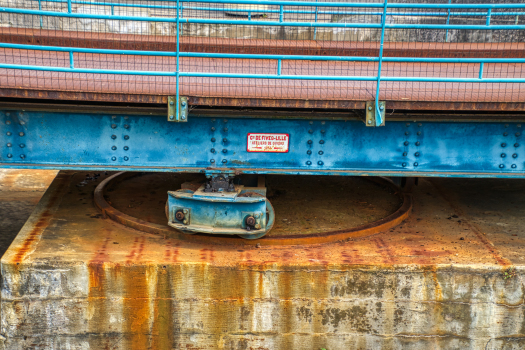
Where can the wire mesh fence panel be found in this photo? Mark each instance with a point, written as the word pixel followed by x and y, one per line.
pixel 414 50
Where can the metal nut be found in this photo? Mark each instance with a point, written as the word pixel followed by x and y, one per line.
pixel 250 221
pixel 179 215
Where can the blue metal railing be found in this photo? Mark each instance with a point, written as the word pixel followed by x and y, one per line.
pixel 318 8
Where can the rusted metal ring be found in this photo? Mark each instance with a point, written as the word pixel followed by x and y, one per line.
pixel 366 230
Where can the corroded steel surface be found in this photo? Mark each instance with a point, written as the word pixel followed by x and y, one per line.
pixel 101 198
pixel 257 102
pixel 260 88
pixel 73 279
pixel 116 41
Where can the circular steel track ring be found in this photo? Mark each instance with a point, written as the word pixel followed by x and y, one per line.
pixel 366 230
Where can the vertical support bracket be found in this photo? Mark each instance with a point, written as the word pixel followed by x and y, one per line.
pixel 172 109
pixel 371 109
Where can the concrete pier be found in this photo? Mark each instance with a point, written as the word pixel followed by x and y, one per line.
pixel 450 277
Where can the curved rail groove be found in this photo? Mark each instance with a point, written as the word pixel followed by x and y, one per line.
pixel 361 231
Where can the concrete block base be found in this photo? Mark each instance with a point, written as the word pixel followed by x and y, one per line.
pixel 74 280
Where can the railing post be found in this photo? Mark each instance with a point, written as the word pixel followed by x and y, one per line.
pixel 378 113
pixel 316 13
pixel 448 21
pixel 177 97
pixel 281 13
pixel 489 12
pixel 69 6
pixel 40 9
pixel 71 61
pixel 279 67
pixel 481 70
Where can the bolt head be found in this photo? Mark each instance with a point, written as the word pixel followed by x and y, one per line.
pixel 185 222
pixel 183 117
pixel 126 148
pixel 320 163
pixel 257 226
pixel 250 221
pixel 171 103
pixel 172 117
pixel 308 163
pixel 381 107
pixel 21 134
pixel 513 166
pixel 179 215
pixel 9 145
pixel 9 155
pixel 113 158
pixel 369 121
pixel 126 159
pixel 22 156
pixel 224 161
pixel 369 108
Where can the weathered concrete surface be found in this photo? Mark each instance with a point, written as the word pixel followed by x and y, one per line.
pixel 73 280
pixel 20 191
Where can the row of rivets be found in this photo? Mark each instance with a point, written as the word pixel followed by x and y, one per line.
pixel 504 144
pixel 20 134
pixel 311 142
pixel 125 137
pixel 224 141
pixel 406 143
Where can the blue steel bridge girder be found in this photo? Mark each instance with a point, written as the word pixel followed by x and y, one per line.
pixel 219 145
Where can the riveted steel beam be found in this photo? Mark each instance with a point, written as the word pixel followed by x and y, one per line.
pixel 219 145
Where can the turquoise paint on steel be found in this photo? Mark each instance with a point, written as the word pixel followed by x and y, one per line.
pixel 145 143
pixel 260 56
pixel 214 215
pixel 378 114
pixel 260 23
pixel 262 76
pixel 177 101
pixel 448 13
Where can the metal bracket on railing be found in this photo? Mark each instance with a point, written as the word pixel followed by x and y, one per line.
pixel 172 109
pixel 371 119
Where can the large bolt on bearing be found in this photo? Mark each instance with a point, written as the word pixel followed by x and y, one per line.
pixel 250 221
pixel 179 215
